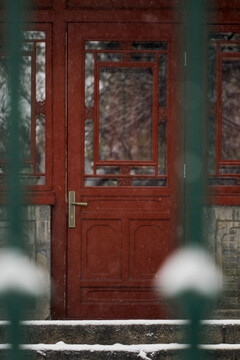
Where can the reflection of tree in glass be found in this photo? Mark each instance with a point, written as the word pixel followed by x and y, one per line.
pixel 125 113
pixel 29 155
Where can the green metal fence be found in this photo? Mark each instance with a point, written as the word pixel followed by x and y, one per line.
pixel 195 129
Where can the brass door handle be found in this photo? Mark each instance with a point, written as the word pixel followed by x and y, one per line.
pixel 71 208
pixel 79 203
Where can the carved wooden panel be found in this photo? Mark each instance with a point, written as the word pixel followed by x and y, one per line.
pixel 121 4
pixel 112 295
pixel 101 249
pixel 145 4
pixel 149 245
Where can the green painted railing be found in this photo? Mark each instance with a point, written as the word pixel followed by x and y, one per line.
pixel 193 303
pixel 14 300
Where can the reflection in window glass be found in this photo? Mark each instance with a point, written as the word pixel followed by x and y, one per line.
pixel 40 143
pixel 88 164
pixel 25 107
pixel 149 182
pixel 229 170
pixel 153 45
pixel 230 109
pixel 41 71
pixel 162 148
pixel 109 57
pixel 162 80
pixel 32 106
pixel 89 79
pixel 230 47
pixel 108 170
pixel 125 113
pixel 221 181
pixel 33 35
pixel 220 36
pixel 100 182
pixel 143 170
pixel 147 57
pixel 102 45
pixel 27 46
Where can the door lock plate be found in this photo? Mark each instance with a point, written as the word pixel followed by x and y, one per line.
pixel 71 208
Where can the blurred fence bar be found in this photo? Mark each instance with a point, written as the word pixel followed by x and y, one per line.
pixel 14 9
pixel 194 119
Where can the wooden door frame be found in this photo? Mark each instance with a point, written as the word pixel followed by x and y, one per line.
pixel 57 13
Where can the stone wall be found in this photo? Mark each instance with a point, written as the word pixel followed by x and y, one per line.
pixel 37 237
pixel 223 242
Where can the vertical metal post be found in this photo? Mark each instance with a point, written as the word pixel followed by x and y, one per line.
pixel 194 155
pixel 14 10
pixel 194 120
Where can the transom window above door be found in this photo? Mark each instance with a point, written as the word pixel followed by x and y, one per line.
pixel 126 113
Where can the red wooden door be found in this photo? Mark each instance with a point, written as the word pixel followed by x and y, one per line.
pixel 122 151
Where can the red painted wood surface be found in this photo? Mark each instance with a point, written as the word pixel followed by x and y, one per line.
pixel 124 234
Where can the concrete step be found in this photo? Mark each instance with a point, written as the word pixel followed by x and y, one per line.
pixel 121 340
pixel 124 332
pixel 123 352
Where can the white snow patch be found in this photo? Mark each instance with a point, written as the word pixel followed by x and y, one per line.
pixel 18 273
pixel 189 269
pixel 101 322
pixel 143 355
pixel 140 348
pixel 218 322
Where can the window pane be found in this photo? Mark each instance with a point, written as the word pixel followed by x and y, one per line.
pixel 218 181
pixel 147 45
pixel 125 113
pixel 89 79
pixel 102 45
pixel 162 148
pixel 143 57
pixel 230 109
pixel 229 170
pixel 32 106
pixel 230 47
pixel 162 80
pixel 149 182
pixel 100 182
pixel 25 107
pixel 33 35
pixel 220 36
pixel 109 57
pixel 40 143
pixel 88 147
pixel 41 71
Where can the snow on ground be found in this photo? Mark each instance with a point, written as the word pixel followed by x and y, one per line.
pixel 146 348
pixel 189 269
pixel 122 322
